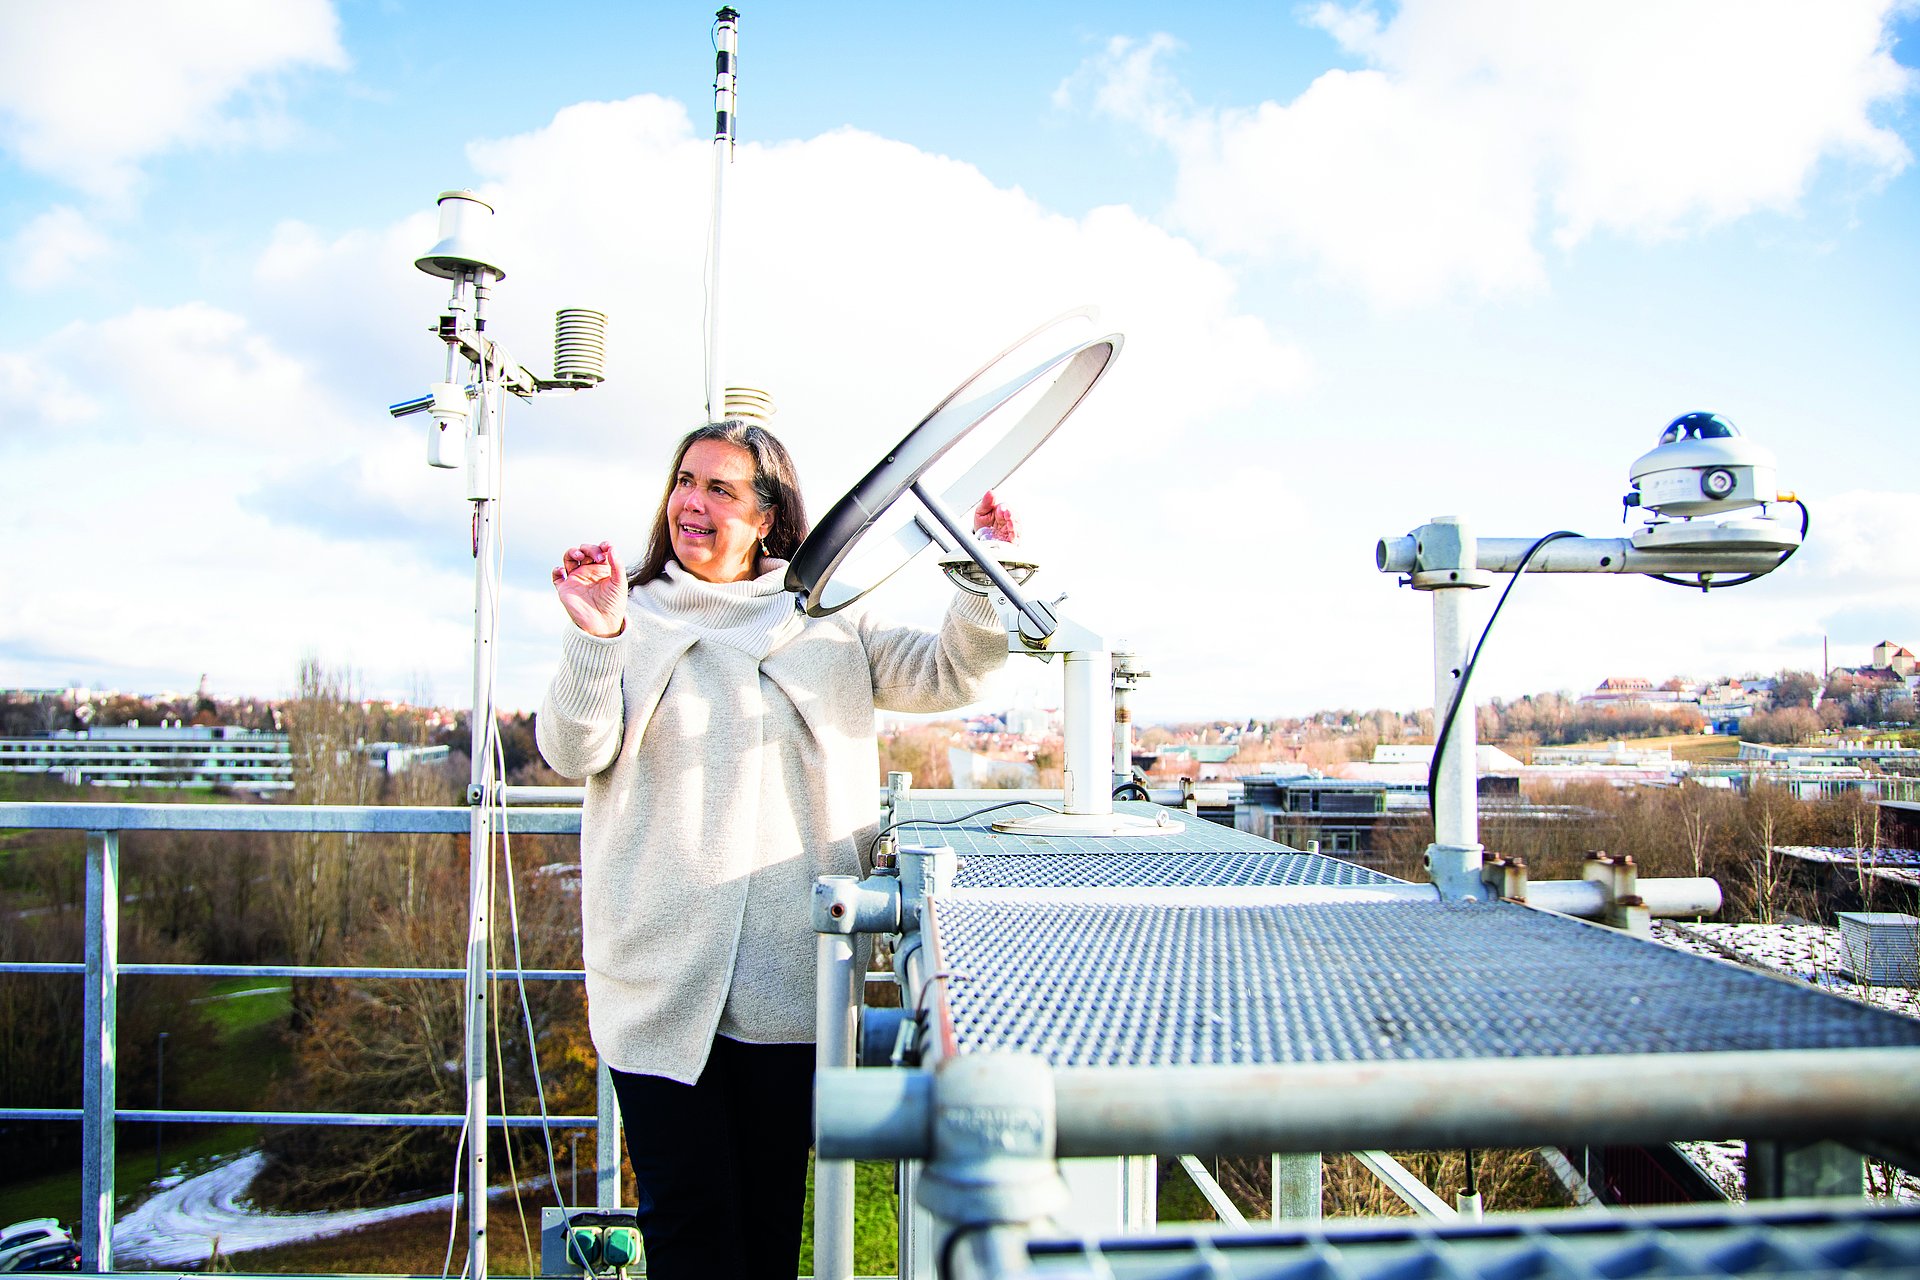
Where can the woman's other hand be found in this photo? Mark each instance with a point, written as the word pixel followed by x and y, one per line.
pixel 593 588
pixel 995 520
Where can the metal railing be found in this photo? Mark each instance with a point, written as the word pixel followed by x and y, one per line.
pixel 546 811
pixel 101 971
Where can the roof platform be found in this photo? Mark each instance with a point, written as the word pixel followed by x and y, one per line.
pixel 1214 960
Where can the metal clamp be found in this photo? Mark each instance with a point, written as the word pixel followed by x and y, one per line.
pixel 848 904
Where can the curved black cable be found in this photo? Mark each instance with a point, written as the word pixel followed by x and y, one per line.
pixel 1460 690
pixel 1119 792
pixel 943 1263
pixel 1806 520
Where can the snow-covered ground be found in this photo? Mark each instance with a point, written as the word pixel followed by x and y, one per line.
pixel 1899 865
pixel 1811 953
pixel 185 1223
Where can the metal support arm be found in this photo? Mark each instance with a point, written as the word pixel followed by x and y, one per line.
pixel 1032 613
pixel 1582 555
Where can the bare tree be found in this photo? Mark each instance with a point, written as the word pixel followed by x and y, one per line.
pixel 1765 805
pixel 1695 825
pixel 313 889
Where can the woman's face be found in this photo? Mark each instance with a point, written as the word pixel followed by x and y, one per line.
pixel 713 515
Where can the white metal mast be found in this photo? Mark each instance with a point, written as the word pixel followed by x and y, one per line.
pixel 465 422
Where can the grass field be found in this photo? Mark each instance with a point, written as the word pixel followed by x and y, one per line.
pixel 1695 748
pixel 250 1014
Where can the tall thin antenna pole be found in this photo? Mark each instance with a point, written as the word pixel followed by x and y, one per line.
pixel 727 45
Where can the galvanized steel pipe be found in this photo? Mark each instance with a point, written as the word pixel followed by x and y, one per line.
pixel 1583 555
pixel 1674 896
pixel 1086 714
pixel 833 1051
pixel 1516 1102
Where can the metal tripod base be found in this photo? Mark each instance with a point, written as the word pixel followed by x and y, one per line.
pixel 1090 824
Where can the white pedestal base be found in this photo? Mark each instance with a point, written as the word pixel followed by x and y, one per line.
pixel 1090 824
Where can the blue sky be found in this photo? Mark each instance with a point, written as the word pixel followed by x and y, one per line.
pixel 1374 263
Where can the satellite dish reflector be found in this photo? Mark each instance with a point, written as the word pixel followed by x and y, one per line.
pixel 969 443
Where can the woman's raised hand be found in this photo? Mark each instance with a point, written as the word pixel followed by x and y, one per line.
pixel 995 520
pixel 593 588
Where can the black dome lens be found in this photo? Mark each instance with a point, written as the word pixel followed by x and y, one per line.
pixel 1698 426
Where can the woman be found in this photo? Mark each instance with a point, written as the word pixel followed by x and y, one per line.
pixel 727 741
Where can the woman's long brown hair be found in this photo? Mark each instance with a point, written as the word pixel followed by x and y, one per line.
pixel 775 484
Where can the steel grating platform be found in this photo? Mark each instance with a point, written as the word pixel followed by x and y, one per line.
pixel 1131 985
pixel 1201 853
pixel 1796 1239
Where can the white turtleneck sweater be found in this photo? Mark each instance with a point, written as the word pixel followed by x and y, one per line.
pixel 727 741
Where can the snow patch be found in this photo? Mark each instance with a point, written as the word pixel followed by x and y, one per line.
pixel 185 1223
pixel 1811 953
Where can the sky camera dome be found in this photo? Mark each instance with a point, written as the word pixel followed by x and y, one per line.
pixel 1698 426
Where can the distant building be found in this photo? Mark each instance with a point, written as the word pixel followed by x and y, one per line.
pixel 1640 694
pixel 1895 658
pixel 398 757
pixel 1340 813
pixel 1616 753
pixel 1814 772
pixel 1407 762
pixel 1200 761
pixel 1890 664
pixel 201 757
pixel 1727 705
pixel 973 769
pixel 1882 753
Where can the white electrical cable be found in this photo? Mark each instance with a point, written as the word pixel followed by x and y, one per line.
pixel 519 967
pixel 499 799
pixel 460 1148
pixel 453 1211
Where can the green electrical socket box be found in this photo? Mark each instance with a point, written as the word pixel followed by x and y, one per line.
pixel 619 1247
pixel 583 1247
pixel 579 1241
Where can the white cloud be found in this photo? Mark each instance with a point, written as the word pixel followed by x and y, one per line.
pixel 91 88
pixel 203 372
pixel 1858 555
pixel 246 517
pixel 866 278
pixel 1478 128
pixel 33 395
pixel 48 249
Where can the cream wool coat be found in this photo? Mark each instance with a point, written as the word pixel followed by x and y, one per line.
pixel 727 743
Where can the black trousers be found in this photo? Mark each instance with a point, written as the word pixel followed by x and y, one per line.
pixel 722 1163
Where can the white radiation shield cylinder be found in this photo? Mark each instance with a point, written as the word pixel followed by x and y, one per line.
pixel 465 227
pixel 580 345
